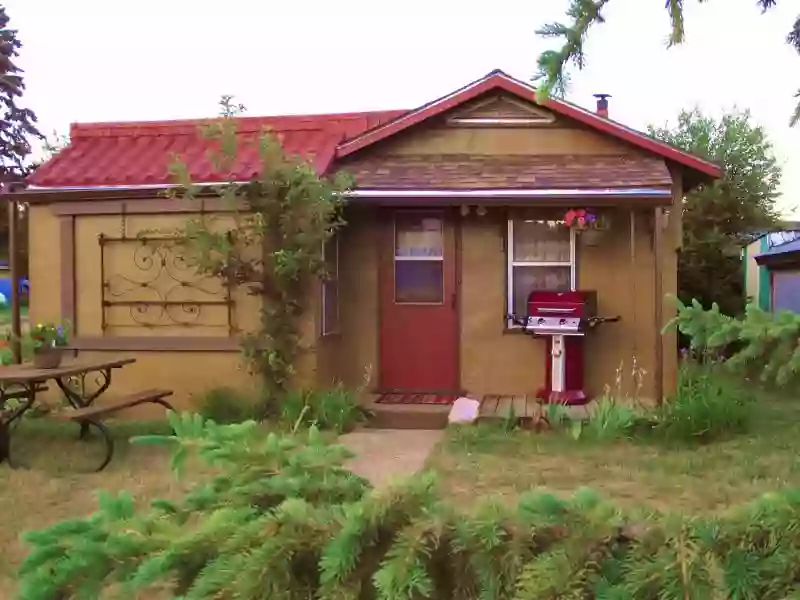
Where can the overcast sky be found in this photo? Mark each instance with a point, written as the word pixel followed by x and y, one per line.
pixel 92 60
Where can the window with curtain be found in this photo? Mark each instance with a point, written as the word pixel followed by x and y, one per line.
pixel 540 255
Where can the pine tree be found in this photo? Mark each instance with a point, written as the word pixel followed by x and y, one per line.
pixel 583 14
pixel 281 518
pixel 762 343
pixel 19 124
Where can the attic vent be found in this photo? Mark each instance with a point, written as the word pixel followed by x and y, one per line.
pixel 500 111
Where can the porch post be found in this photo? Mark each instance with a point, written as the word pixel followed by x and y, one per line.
pixel 633 299
pixel 658 296
pixel 13 266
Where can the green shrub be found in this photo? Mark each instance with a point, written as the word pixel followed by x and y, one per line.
pixel 610 420
pixel 708 404
pixel 226 405
pixel 281 518
pixel 335 409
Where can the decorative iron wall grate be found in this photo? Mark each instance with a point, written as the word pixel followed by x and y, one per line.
pixel 149 282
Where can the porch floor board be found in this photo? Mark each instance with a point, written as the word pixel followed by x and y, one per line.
pixel 526 407
pixel 494 407
pixel 501 406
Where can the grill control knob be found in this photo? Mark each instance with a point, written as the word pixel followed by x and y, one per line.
pixel 562 322
pixel 540 321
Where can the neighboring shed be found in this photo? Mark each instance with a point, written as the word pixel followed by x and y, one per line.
pixel 782 266
pixel 758 289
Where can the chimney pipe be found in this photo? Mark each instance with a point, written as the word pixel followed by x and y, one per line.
pixel 602 104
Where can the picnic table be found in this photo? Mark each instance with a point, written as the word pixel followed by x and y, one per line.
pixel 22 383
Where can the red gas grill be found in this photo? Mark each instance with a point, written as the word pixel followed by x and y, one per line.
pixel 562 318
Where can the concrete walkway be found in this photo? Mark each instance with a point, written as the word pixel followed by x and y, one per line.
pixel 383 455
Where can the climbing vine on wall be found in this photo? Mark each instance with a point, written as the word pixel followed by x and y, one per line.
pixel 272 248
pixel 765 343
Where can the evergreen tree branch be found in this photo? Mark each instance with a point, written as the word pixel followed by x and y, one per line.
pixel 552 75
pixel 552 64
pixel 402 543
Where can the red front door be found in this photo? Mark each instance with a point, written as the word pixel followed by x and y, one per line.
pixel 419 308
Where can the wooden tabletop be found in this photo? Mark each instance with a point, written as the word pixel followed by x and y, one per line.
pixel 27 373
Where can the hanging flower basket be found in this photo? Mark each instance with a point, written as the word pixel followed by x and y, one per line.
pixel 592 237
pixel 588 224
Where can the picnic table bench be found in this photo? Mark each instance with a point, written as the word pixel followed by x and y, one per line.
pixel 27 381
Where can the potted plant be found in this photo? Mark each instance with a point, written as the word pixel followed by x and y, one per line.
pixel 588 224
pixel 48 341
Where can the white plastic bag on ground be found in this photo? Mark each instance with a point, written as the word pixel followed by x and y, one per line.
pixel 464 410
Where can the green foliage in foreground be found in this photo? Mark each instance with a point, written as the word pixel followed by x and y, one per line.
pixel 764 341
pixel 333 409
pixel 708 405
pixel 282 519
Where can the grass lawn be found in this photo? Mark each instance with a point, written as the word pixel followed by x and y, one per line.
pixel 57 485
pixel 5 316
pixel 483 460
pixel 473 462
pixel 57 481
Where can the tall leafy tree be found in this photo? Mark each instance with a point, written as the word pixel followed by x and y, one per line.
pixel 716 217
pixel 583 14
pixel 18 125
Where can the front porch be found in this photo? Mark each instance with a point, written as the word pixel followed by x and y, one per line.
pixel 486 263
pixel 525 409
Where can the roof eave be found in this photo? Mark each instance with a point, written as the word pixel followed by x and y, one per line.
pixel 781 259
pixel 41 195
pixel 35 196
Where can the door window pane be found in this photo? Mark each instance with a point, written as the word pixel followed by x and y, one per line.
pixel 418 282
pixel 418 236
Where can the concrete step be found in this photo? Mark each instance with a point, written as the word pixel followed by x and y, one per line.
pixel 408 416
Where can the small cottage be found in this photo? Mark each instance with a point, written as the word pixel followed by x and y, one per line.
pixel 771 266
pixel 779 272
pixel 462 208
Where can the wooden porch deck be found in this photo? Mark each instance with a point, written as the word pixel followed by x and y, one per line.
pixel 525 408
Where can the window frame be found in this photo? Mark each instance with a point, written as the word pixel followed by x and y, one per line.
pixel 511 263
pixel 332 278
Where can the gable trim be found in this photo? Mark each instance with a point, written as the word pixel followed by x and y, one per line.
pixel 502 121
pixel 497 80
pixel 527 115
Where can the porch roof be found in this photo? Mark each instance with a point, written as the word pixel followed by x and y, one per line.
pixel 464 171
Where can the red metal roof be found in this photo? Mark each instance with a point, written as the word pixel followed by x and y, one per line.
pixel 139 153
pixel 498 80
